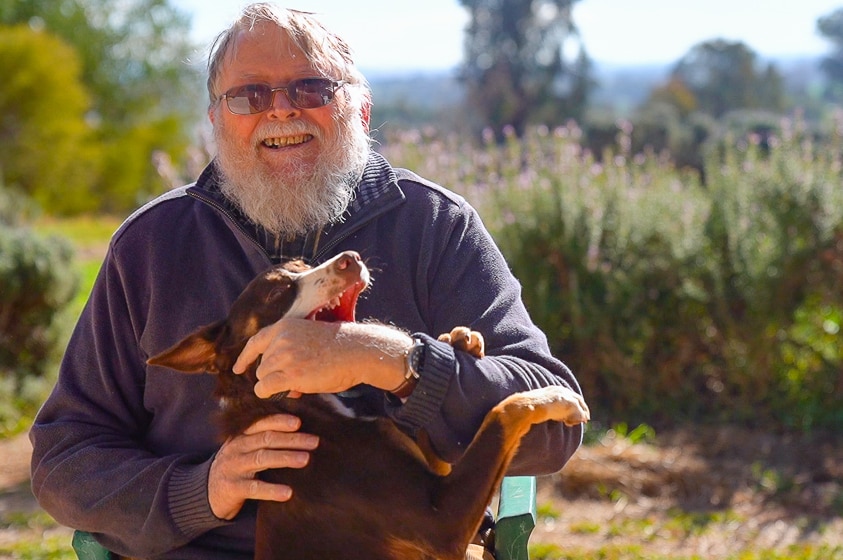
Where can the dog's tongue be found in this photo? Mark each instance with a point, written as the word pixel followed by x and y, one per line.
pixel 343 312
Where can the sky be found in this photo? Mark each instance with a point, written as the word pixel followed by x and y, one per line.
pixel 409 35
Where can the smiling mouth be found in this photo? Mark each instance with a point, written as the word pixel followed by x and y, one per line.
pixel 285 141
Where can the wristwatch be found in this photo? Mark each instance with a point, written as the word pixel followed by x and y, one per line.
pixel 412 364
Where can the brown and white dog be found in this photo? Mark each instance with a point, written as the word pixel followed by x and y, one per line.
pixel 369 492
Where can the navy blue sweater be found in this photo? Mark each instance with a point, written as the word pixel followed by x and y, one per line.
pixel 123 450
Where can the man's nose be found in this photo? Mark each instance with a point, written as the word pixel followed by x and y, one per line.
pixel 281 106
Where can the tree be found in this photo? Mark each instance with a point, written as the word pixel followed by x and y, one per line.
pixel 675 94
pixel 724 76
pixel 144 95
pixel 516 70
pixel 46 145
pixel 831 28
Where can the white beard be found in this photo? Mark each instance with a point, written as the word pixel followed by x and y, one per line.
pixel 302 198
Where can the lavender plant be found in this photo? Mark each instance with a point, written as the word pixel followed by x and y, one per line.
pixel 672 299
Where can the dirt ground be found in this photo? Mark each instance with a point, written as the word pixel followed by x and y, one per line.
pixel 16 501
pixel 708 492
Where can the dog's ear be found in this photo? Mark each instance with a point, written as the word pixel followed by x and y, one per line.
pixel 195 354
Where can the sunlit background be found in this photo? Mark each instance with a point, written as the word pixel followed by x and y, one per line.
pixel 407 35
pixel 670 195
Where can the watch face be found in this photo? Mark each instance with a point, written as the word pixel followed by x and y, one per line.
pixel 414 358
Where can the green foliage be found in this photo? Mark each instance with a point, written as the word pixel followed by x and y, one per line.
pixel 547 551
pixel 596 433
pixel 46 147
pixel 142 98
pixel 36 282
pixel 548 511
pixel 672 301
pixel 640 434
pixel 725 75
pixel 717 88
pixel 21 393
pixel 773 243
pixel 133 52
pixel 687 523
pixel 44 548
pixel 39 537
pixel 515 71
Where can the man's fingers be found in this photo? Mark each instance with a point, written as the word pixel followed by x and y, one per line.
pixel 232 478
pixel 269 385
pixel 227 497
pixel 268 441
pixel 275 422
pixel 260 490
pixel 267 459
pixel 255 346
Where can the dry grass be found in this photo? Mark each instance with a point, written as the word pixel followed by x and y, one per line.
pixel 712 493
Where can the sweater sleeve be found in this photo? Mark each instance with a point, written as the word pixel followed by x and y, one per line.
pixel 469 284
pixel 92 466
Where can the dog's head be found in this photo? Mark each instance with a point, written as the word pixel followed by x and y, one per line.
pixel 327 292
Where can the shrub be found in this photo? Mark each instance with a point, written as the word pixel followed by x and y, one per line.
pixel 36 282
pixel 774 247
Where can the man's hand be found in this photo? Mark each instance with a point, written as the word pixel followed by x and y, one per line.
pixel 318 357
pixel 272 442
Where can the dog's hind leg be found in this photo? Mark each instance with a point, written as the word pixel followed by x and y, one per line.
pixel 434 462
pixel 465 493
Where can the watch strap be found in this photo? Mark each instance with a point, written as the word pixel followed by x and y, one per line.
pixel 413 362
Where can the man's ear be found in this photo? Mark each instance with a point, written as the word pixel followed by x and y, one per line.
pixel 212 115
pixel 366 114
pixel 195 354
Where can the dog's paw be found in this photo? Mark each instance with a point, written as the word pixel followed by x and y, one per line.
pixel 568 406
pixel 466 340
pixel 553 403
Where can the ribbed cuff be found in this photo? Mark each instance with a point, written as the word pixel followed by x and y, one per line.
pixel 425 403
pixel 188 500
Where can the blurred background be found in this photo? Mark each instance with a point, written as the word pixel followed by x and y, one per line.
pixel 664 177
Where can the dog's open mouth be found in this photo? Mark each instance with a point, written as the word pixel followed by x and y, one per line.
pixel 341 307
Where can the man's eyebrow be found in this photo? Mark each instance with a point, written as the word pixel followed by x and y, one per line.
pixel 253 76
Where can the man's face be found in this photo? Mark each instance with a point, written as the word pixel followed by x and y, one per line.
pixel 290 170
pixel 266 55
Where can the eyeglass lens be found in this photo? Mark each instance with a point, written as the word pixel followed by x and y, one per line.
pixel 308 93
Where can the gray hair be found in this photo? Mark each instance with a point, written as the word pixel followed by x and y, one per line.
pixel 327 52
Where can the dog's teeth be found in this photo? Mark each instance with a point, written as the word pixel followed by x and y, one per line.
pixel 333 304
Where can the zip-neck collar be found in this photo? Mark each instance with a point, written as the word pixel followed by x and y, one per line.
pixel 376 193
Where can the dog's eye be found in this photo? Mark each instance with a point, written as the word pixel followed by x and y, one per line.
pixel 276 293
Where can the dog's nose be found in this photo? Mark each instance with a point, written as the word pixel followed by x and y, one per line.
pixel 347 259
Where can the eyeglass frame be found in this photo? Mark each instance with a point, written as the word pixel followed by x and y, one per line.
pixel 333 84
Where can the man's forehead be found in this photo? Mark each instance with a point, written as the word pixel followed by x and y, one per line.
pixel 258 54
pixel 264 37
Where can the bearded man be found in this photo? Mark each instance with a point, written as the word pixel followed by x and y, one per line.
pixel 129 452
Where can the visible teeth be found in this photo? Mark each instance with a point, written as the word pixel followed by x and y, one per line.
pixel 333 304
pixel 287 141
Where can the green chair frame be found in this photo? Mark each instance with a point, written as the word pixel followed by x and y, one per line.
pixel 515 521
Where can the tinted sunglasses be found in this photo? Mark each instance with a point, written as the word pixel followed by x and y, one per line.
pixel 307 93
